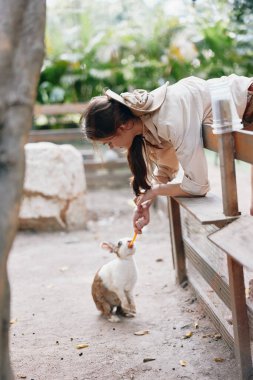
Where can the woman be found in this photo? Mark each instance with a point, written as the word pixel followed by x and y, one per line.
pixel 162 127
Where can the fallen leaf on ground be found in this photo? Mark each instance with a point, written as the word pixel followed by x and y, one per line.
pixel 21 376
pixel 183 363
pixel 187 335
pixel 148 360
pixel 159 260
pixel 12 321
pixel 141 332
pixel 216 336
pixel 207 336
pixel 82 345
pixel 219 360
pixel 186 326
pixel 72 241
pixel 196 325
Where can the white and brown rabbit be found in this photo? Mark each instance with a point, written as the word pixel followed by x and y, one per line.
pixel 113 284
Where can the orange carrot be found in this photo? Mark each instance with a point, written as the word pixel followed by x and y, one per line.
pixel 132 241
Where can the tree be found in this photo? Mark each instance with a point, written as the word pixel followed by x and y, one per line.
pixel 22 25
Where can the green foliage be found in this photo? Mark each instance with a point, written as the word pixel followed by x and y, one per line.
pixel 217 51
pixel 139 47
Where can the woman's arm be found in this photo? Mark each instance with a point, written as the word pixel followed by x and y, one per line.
pixel 141 215
pixel 167 189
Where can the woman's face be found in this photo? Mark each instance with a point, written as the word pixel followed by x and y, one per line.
pixel 123 138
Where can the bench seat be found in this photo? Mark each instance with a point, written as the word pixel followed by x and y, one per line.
pixel 207 210
pixel 236 240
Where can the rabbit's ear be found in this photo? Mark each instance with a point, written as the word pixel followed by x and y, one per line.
pixel 109 246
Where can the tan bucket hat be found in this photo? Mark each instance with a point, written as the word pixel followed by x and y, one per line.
pixel 140 101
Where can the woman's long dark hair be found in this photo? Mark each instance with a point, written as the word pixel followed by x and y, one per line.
pixel 101 119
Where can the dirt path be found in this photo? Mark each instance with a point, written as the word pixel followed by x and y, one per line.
pixel 53 311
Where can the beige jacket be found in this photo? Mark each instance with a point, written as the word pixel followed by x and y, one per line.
pixel 175 132
pixel 172 125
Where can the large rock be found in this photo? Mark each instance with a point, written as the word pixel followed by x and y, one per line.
pixel 54 188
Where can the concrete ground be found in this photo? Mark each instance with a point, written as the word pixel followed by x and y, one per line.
pixel 53 311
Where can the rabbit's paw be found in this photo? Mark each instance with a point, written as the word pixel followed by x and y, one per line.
pixel 128 313
pixel 114 319
pixel 132 309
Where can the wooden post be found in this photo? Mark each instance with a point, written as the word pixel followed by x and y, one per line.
pixel 240 319
pixel 235 270
pixel 178 253
pixel 228 175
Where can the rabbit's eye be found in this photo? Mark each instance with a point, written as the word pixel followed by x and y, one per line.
pixel 119 243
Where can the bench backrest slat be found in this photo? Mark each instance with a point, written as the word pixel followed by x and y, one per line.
pixel 59 109
pixel 243 143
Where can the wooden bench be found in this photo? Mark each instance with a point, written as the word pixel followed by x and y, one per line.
pixel 57 135
pixel 227 231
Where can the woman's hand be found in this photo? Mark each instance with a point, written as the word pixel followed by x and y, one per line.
pixel 143 202
pixel 141 217
pixel 149 195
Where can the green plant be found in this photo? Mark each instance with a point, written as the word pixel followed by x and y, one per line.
pixel 139 47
